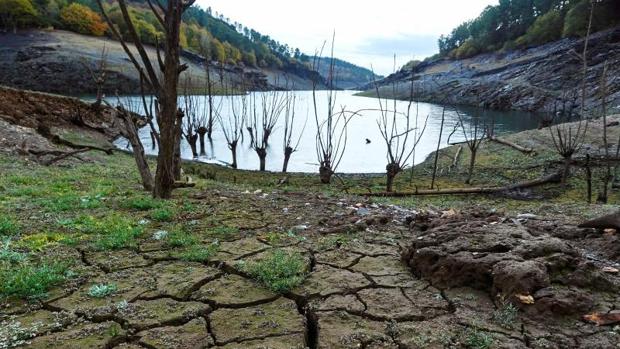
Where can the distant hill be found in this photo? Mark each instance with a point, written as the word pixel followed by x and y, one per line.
pixel 346 75
pixel 204 32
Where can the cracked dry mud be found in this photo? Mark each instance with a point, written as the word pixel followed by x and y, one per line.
pixel 391 278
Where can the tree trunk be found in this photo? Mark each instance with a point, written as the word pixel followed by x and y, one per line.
pixel 588 179
pixel 192 139
pixel 566 172
pixel 138 150
pixel 201 134
pixel 472 162
pixel 233 149
pixel 262 155
pixel 325 173
pixel 392 170
pixel 153 141
pixel 288 151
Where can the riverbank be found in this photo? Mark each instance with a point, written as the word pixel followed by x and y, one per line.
pixel 538 79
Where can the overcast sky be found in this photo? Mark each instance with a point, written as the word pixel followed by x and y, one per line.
pixel 367 32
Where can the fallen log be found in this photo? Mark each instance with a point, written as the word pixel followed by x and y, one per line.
pixel 553 178
pixel 512 145
pixel 64 156
pixel 610 221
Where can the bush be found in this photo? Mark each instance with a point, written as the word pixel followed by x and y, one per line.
pixel 83 20
pixel 468 49
pixel 546 28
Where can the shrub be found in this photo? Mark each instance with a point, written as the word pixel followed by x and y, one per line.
pixel 279 271
pixel 83 20
pixel 546 28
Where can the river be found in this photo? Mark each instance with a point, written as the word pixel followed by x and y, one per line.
pixel 365 150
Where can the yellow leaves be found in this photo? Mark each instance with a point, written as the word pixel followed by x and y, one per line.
pixel 602 319
pixel 525 299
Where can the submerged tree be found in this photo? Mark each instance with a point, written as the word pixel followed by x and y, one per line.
pixel 263 119
pixel 190 125
pixel 162 83
pixel 232 126
pixel 289 126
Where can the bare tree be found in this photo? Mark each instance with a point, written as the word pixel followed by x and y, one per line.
pixel 289 127
pixel 474 135
pixel 331 134
pixel 190 125
pixel 232 126
pixel 163 85
pixel 98 75
pixel 128 111
pixel 263 120
pixel 396 128
pixel 602 196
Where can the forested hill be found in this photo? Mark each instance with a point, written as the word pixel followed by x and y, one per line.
pixel 345 75
pixel 203 31
pixel 524 23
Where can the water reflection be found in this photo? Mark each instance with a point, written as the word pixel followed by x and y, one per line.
pixel 360 155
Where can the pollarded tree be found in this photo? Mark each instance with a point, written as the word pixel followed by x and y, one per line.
pixel 232 125
pixel 264 116
pixel 289 127
pixel 163 82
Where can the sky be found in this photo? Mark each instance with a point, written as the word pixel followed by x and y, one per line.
pixel 368 33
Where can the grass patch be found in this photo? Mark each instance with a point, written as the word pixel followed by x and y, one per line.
pixel 40 241
pixel 8 255
pixel 163 214
pixel 180 238
pixel 29 281
pixel 198 253
pixel 280 271
pixel 477 339
pixel 505 315
pixel 223 230
pixel 8 226
pixel 102 290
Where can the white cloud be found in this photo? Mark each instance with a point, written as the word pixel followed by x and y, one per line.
pixel 366 32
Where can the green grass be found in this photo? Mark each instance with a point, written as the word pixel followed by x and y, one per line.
pixel 198 253
pixel 180 238
pixel 8 226
pixel 506 315
pixel 9 255
pixel 163 214
pixel 279 271
pixel 223 231
pixel 478 339
pixel 28 281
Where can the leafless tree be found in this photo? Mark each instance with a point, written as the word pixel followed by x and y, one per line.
pixel 162 83
pixel 264 115
pixel 603 89
pixel 331 134
pixel 232 125
pixel 396 129
pixel 191 123
pixel 128 111
pixel 289 127
pixel 99 75
pixel 474 134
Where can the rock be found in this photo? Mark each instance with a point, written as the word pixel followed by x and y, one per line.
pixel 516 277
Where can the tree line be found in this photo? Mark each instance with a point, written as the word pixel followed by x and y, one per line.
pixel 201 31
pixel 515 24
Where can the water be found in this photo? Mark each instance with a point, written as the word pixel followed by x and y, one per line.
pixel 359 157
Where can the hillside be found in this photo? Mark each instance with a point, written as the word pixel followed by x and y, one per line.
pixel 345 75
pixel 544 78
pixel 59 62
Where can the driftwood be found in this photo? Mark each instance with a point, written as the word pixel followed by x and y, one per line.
pixel 512 145
pixel 610 221
pixel 64 156
pixel 553 178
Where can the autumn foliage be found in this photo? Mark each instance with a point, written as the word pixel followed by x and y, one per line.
pixel 83 20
